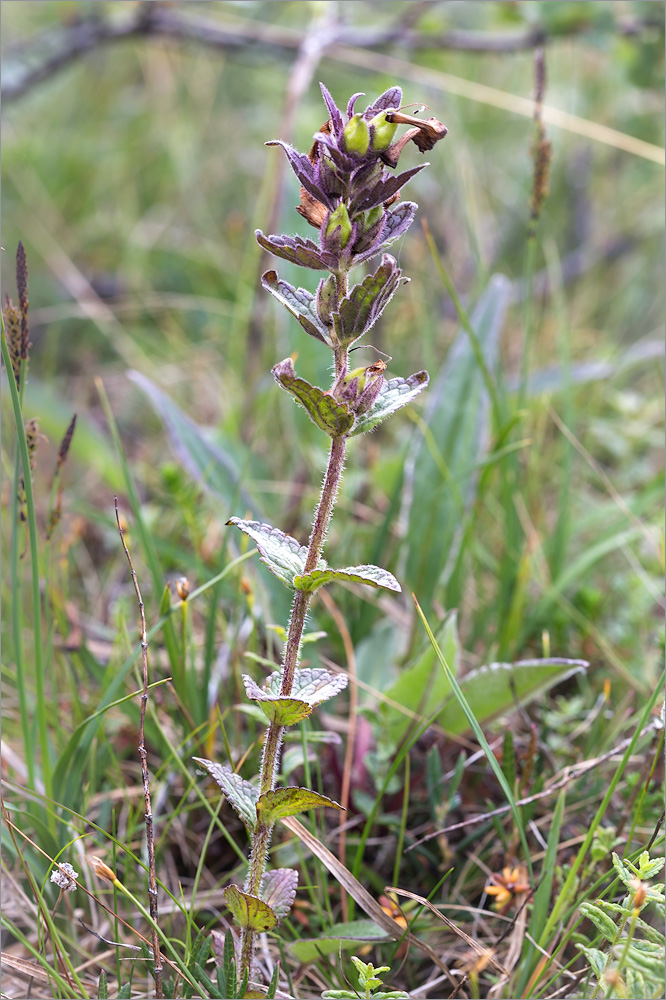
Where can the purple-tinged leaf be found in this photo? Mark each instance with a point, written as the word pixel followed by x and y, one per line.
pixel 305 172
pixel 241 794
pixel 383 189
pixel 335 418
pixel 284 556
pixel 343 162
pixel 284 711
pixel 395 393
pixel 312 684
pixel 250 912
pixel 396 224
pixel 375 576
pixel 333 110
pixel 391 98
pixel 352 101
pixel 300 304
pixel 283 802
pixel 279 890
pixel 370 238
pixel 360 310
pixel 305 253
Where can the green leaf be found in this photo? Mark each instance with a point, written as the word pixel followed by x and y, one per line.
pixel 636 985
pixel 463 707
pixel 332 417
pixel 509 758
pixel 279 890
pixel 394 394
pixel 206 462
pixel 241 794
pixel 249 911
pixel 345 936
pixel 542 898
pixel 125 991
pixel 601 920
pixel 283 802
pixel 314 685
pixel 645 957
pixel 284 711
pixel 300 303
pixel 596 958
pixel 423 687
pixel 375 576
pixel 284 556
pixel 440 473
pixel 229 963
pixel 360 310
pixel 102 987
pixel 206 982
pixel 649 867
pixel 496 688
pixel 273 985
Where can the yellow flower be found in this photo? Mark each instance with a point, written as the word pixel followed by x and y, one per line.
pixel 511 882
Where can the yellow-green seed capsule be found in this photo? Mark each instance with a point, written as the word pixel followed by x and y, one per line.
pixel 383 133
pixel 340 217
pixel 356 135
pixel 373 216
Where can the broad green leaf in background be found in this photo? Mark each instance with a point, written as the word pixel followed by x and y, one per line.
pixel 345 936
pixel 440 484
pixel 206 462
pixel 499 687
pixel 423 687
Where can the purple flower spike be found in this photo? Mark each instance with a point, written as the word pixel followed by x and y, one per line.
pixel 346 189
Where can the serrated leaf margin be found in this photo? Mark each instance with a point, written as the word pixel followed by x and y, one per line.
pixel 241 794
pixel 373 576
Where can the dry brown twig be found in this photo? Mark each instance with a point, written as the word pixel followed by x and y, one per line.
pixel 150 838
pixel 153 19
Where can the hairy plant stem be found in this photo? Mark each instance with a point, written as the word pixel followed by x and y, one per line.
pixel 274 734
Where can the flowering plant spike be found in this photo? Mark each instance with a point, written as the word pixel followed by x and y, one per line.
pixel 349 193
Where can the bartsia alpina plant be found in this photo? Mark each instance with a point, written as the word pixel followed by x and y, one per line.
pixel 349 193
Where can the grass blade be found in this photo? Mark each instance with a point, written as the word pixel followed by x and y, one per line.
pixel 478 732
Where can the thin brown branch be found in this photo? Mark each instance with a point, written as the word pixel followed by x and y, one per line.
pixel 48 53
pixel 150 839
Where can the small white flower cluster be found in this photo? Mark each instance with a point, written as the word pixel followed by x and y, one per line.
pixel 64 877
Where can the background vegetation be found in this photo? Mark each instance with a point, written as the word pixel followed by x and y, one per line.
pixel 135 177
